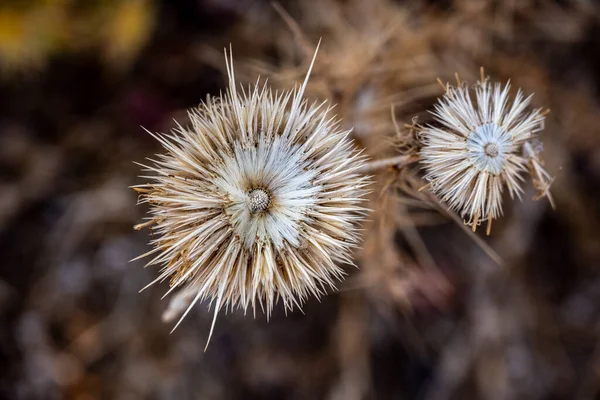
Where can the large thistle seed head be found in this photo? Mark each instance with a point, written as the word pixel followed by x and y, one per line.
pixel 257 201
pixel 482 144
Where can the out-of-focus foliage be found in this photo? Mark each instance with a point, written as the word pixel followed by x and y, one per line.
pixel 32 32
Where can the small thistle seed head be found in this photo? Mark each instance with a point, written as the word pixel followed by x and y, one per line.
pixel 481 146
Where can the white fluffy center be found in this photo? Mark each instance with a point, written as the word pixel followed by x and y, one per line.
pixel 488 146
pixel 269 190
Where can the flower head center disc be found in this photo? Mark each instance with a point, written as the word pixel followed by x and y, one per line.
pixel 488 147
pixel 491 150
pixel 259 199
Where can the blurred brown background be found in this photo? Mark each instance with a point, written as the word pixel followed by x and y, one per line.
pixel 429 314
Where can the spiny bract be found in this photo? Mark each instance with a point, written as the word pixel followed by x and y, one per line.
pixel 480 147
pixel 258 200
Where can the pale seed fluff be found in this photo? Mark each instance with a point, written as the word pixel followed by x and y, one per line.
pixel 481 144
pixel 258 200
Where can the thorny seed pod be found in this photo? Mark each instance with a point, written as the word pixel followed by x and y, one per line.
pixel 480 147
pixel 258 200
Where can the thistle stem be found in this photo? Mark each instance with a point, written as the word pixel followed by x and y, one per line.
pixel 397 162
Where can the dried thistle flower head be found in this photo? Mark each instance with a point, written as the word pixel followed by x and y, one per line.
pixel 258 200
pixel 481 146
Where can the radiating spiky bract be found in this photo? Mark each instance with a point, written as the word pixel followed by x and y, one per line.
pixel 258 200
pixel 481 146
